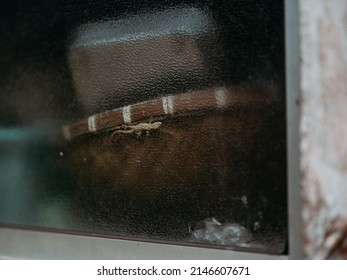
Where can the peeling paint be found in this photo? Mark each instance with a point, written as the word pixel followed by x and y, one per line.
pixel 323 127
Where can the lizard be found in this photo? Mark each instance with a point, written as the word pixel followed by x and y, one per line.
pixel 137 128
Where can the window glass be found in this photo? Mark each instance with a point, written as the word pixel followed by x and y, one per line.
pixel 149 120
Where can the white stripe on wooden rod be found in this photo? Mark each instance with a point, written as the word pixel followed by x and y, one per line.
pixel 168 104
pixel 221 97
pixel 126 114
pixel 91 124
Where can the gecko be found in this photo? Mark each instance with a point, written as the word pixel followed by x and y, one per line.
pixel 138 128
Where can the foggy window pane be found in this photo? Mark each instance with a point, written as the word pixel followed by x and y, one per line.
pixel 153 120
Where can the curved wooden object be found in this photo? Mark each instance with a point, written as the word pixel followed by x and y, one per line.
pixel 208 153
pixel 172 105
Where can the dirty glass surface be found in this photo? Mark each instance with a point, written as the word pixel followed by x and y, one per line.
pixel 213 175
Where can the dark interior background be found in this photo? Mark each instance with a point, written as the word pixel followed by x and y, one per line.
pixel 37 96
pixel 35 81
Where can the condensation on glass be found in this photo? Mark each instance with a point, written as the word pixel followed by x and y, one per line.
pixel 159 121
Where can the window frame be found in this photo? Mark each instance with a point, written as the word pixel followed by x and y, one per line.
pixel 18 243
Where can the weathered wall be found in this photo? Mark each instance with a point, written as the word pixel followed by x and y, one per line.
pixel 323 127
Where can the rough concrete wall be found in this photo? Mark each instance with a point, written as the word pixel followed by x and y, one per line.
pixel 323 127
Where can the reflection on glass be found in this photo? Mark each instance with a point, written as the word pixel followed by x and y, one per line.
pixel 162 121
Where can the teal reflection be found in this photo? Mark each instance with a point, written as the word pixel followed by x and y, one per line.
pixel 20 134
pixel 32 187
